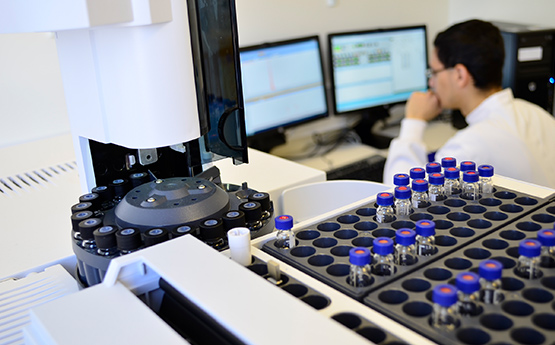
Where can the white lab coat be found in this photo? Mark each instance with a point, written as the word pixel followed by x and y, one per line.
pixel 515 136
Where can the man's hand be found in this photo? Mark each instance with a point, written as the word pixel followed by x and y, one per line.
pixel 422 106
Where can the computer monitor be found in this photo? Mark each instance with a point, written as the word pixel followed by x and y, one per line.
pixel 373 69
pixel 283 86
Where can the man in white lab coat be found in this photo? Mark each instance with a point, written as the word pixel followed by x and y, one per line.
pixel 513 135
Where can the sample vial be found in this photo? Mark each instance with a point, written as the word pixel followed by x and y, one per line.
pixel 359 273
pixel 285 237
pixel 467 166
pixel 529 260
pixel 401 180
pixel 420 198
pixel 444 315
pixel 425 237
pixel 405 249
pixel 105 238
pixel 452 181
pixel 470 185
pixel 436 191
pixel 547 239
pixel 213 233
pixel 468 284
pixel 403 205
pixel 490 281
pixel 155 236
pixel 382 263
pixel 486 179
pixel 265 203
pixel 385 212
pixel 128 240
pixel 433 167
pixel 417 173
pixel 448 162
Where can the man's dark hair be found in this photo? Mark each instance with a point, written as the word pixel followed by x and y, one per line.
pixel 478 46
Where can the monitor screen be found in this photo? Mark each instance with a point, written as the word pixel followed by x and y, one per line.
pixel 376 68
pixel 283 84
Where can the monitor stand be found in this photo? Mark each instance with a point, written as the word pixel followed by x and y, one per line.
pixel 364 127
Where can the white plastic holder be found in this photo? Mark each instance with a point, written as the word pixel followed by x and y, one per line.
pixel 239 240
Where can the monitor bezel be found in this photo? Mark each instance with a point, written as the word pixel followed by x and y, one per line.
pixel 281 128
pixel 377 109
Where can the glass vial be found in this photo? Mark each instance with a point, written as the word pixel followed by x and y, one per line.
pixel 468 284
pixel 382 263
pixel 452 181
pixel 385 212
pixel 490 281
pixel 470 185
pixel 425 237
pixel 359 273
pixel 529 260
pixel 432 167
pixel 405 249
pixel 401 180
pixel 285 237
pixel 403 205
pixel 547 239
pixel 420 198
pixel 444 315
pixel 417 173
pixel 467 166
pixel 436 190
pixel 486 179
pixel 448 162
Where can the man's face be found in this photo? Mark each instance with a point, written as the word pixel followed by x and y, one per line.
pixel 441 82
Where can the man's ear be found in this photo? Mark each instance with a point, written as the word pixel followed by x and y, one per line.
pixel 463 77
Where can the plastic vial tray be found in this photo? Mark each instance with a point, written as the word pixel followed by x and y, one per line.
pixel 527 313
pixel 367 329
pixel 322 250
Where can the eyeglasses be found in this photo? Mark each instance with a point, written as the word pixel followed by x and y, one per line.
pixel 432 72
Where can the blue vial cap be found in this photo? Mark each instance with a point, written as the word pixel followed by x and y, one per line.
pixel 485 170
pixel 448 162
pixel 359 256
pixel 470 176
pixel 405 236
pixel 452 173
pixel 529 248
pixel 445 295
pixel 420 185
pixel 433 167
pixel 425 228
pixel 468 166
pixel 401 179
pixel 384 199
pixel 468 282
pixel 490 269
pixel 402 192
pixel 383 245
pixel 436 178
pixel 417 173
pixel 546 237
pixel 284 222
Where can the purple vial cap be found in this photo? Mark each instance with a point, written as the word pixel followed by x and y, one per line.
pixel 490 269
pixel 384 199
pixel 405 236
pixel 425 228
pixel 417 173
pixel 436 178
pixel 284 222
pixel 401 179
pixel 452 173
pixel 448 162
pixel 359 256
pixel 468 282
pixel 383 245
pixel 471 176
pixel 445 295
pixel 433 167
pixel 468 165
pixel 529 248
pixel 485 170
pixel 547 237
pixel 420 185
pixel 402 192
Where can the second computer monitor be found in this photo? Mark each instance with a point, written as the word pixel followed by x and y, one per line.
pixel 370 69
